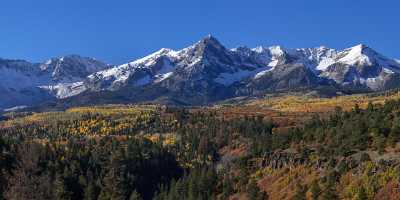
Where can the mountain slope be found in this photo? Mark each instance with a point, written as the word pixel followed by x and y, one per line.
pixel 25 83
pixel 362 66
pixel 202 73
pixel 207 72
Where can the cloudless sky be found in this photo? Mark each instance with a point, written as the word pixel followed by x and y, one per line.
pixel 117 31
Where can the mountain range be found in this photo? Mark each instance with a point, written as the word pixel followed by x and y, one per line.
pixel 203 73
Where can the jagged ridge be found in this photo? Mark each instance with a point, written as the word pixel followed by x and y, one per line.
pixel 202 73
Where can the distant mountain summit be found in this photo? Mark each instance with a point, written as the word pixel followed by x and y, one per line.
pixel 72 67
pixel 25 83
pixel 203 73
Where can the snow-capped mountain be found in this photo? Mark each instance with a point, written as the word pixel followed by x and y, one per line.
pixel 363 67
pixel 201 73
pixel 71 68
pixel 25 83
pixel 68 73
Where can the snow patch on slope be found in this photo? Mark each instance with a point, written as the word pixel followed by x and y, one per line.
pixel 121 74
pixel 162 77
pixel 276 51
pixel 325 63
pixel 230 78
pixel 269 55
pixel 262 73
pixel 388 71
pixel 16 108
pixel 65 90
pixel 151 59
pixel 356 55
pixel 373 83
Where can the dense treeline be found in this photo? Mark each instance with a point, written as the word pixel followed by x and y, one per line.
pixel 47 159
pixel 354 152
pixel 343 133
pixel 376 128
pixel 87 169
pixel 112 153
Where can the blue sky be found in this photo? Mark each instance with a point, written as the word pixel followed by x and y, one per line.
pixel 121 30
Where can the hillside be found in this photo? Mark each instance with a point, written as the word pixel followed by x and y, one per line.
pixel 288 147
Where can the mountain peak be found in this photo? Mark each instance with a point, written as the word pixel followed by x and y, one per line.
pixel 208 46
pixel 362 47
pixel 72 67
pixel 209 36
pixel 277 50
pixel 70 57
pixel 363 55
pixel 210 40
pixel 323 47
pixel 358 52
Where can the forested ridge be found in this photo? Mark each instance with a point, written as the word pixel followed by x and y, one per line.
pixel 151 152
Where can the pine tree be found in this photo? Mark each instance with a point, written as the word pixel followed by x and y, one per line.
pixel 394 135
pixel 25 182
pixel 91 192
pixel 61 190
pixel 115 183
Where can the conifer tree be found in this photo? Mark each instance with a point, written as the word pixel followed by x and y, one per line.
pixel 115 183
pixel 61 189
